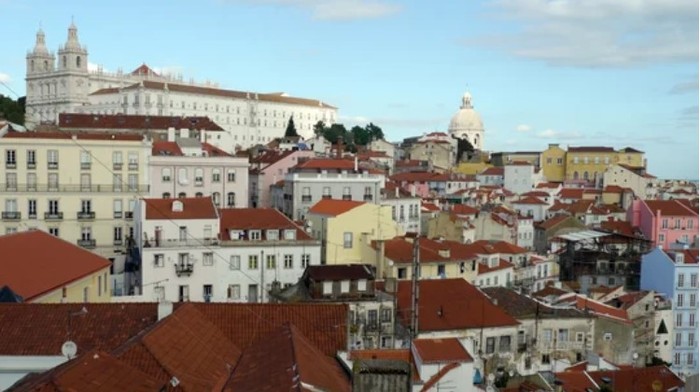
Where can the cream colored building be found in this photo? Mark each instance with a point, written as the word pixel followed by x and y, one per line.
pixel 347 228
pixel 621 175
pixel 81 188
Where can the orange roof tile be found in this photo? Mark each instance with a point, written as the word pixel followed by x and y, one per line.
pixel 325 164
pixel 463 209
pixel 530 200
pixel 552 222
pixel 575 381
pixel 441 350
pixel 34 263
pixel 669 208
pixel 571 193
pixel 172 148
pixel 502 264
pixel 450 304
pixel 493 247
pixel 619 227
pixel 334 207
pixel 192 208
pixel 492 171
pixel 601 309
pixel 638 379
pixel 548 185
pixel 257 219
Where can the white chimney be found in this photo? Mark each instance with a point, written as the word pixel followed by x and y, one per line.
pixel 413 190
pixel 165 308
pixel 171 134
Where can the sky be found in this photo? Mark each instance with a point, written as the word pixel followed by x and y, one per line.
pixel 574 72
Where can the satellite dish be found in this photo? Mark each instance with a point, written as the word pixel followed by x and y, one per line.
pixel 69 349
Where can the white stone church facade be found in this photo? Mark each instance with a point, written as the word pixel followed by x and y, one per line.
pixel 62 83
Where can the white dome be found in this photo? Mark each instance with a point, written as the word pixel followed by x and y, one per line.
pixel 466 119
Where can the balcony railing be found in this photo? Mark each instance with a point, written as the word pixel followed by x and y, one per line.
pixel 53 165
pixel 133 166
pixel 86 215
pixel 31 165
pixel 101 188
pixel 118 242
pixel 185 269
pixel 85 165
pixel 368 197
pixel 11 215
pixel 53 216
pixel 177 243
pixel 117 165
pixel 129 215
pixel 10 165
pixel 88 244
pixel 306 198
pixel 118 214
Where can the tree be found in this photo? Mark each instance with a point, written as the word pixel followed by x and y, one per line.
pixel 463 146
pixel 319 128
pixel 12 111
pixel 360 136
pixel 291 129
pixel 375 133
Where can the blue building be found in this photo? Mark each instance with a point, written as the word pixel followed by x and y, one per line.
pixel 674 273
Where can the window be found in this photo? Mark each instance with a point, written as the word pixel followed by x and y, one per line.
pixel 53 231
pixel 691 319
pixel 545 359
pixel 231 199
pixel 692 299
pixel 677 359
pixel 198 176
pixel 664 224
pixel 117 183
pixel 234 292
pixel 690 224
pixel 579 337
pixel 368 193
pixel 231 175
pixel 53 181
pixel 679 319
pixel 344 286
pixel 235 262
pixel 117 234
pixel 31 208
pixel 690 359
pixel 547 335
pixel 347 240
pixel 10 159
pixel 253 262
pixel 679 300
pixel 31 159
pixel 133 157
pixel 607 336
pixel 691 339
pixel 133 181
pixel 254 235
pixel 662 238
pixel 290 235
pixel 166 195
pixel 166 174
pixel 504 344
pixel 327 288
pixel 362 285
pixel 216 198
pixel 86 233
pixel 207 292
pixel 490 345
pixel 326 192
pixel 85 159
pixel 681 279
pixel 52 159
pixel 158 260
pixel 11 179
pixel 288 261
pixel 208 258
pixel 306 194
pixel 53 207
pixel 216 175
pixel 85 182
pixel 270 262
pixel 305 260
pixel 386 315
pixel 679 337
pixel 563 335
pixel 678 224
pixel 272 235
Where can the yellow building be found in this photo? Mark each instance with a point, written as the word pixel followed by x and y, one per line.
pixel 553 163
pixel 471 168
pixel 80 187
pixel 347 229
pixel 41 268
pixel 439 153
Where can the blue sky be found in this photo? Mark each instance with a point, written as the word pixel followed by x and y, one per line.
pixel 574 72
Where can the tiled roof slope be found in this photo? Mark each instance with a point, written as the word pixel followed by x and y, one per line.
pixel 41 329
pixel 256 219
pixel 441 350
pixel 669 208
pixel 34 263
pixel 334 207
pixel 322 324
pixel 92 371
pixel 284 360
pixel 192 208
pixel 450 304
pixel 521 307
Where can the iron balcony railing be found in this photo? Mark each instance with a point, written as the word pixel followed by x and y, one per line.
pixel 105 188
pixel 185 269
pixel 11 215
pixel 53 216
pixel 86 215
pixel 178 243
pixel 89 244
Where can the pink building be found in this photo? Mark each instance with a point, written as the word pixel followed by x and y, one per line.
pixel 268 168
pixel 665 221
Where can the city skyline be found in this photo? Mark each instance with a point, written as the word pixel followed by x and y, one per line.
pixel 540 72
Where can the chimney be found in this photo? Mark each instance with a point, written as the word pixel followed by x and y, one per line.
pixel 171 134
pixel 165 308
pixel 413 190
pixel 396 191
pixel 355 163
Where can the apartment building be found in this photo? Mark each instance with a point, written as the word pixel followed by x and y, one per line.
pixel 665 222
pixel 80 187
pixel 267 169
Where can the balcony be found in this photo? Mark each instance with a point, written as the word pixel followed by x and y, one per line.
pixel 86 215
pixel 129 215
pixel 53 216
pixel 184 269
pixel 11 165
pixel 133 166
pixel 118 214
pixel 72 188
pixel 53 165
pixel 31 165
pixel 118 242
pixel 306 198
pixel 11 215
pixel 117 165
pixel 347 197
pixel 87 244
pixel 85 165
pixel 368 198
pixel 179 243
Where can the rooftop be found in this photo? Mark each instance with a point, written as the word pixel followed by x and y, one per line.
pixel 669 208
pixel 182 208
pixel 339 272
pixel 445 350
pixel 257 219
pixel 334 207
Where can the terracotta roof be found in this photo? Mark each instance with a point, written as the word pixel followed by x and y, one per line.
pixel 537 194
pixel 445 350
pixel 144 69
pixel 450 304
pixel 548 185
pixel 429 207
pixel 690 256
pixel 493 247
pixel 529 200
pixel 636 379
pixel 492 171
pixel 523 307
pixel 40 329
pixel 339 272
pixel 519 163
pixel 619 227
pixel 485 269
pixel 591 149
pixel 601 309
pixel 581 366
pixel 463 209
pixel 257 219
pixel 334 207
pixel 269 157
pixel 78 135
pixel 325 164
pixel 285 360
pixel 575 382
pixel 669 208
pixel 627 300
pixel 34 263
pixel 571 193
pixel 172 148
pixel 189 89
pixel 613 189
pixel 419 176
pixel 192 208
pixel 94 370
pixel 399 250
pixel 402 354
pixel 552 222
pixel 134 122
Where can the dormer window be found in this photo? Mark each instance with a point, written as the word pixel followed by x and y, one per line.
pixel 362 285
pixel 290 234
pixel 272 235
pixel 177 206
pixel 254 235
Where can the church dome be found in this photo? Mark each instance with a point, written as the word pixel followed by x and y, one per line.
pixel 466 120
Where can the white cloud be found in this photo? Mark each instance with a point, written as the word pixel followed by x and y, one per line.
pixel 523 128
pixel 171 70
pixel 559 135
pixel 597 33
pixel 5 78
pixel 337 9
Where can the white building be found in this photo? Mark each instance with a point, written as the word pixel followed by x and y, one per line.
pixel 467 124
pixel 521 177
pixel 249 118
pixel 405 209
pixel 191 251
pixel 186 167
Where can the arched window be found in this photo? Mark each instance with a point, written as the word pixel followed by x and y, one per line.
pixel 182 175
pixel 575 175
pixel 78 62
pixel 216 197
pixel 585 175
pixel 231 199
pixel 165 174
pixel 166 195
pixel 181 195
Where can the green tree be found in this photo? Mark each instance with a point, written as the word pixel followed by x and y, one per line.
pixel 291 129
pixel 360 136
pixel 463 146
pixel 319 128
pixel 375 132
pixel 11 110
